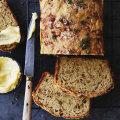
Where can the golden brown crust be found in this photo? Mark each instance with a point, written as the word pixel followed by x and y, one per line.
pixel 77 30
pixel 87 94
pixel 8 48
pixel 42 106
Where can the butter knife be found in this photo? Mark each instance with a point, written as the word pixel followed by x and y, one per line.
pixel 29 71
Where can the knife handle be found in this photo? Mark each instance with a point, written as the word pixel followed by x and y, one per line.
pixel 28 99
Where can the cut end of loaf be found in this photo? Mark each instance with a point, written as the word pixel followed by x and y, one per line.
pixel 59 103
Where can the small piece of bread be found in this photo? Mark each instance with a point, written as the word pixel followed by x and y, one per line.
pixel 90 77
pixel 7 19
pixel 57 102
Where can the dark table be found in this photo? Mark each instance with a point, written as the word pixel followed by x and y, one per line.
pixel 106 107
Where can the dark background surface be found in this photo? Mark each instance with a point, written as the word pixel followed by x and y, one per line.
pixel 106 107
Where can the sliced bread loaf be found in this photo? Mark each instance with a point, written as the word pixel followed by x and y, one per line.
pixel 57 102
pixel 90 77
pixel 7 19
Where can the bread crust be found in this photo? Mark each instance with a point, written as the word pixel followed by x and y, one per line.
pixel 87 94
pixel 10 47
pixel 49 46
pixel 42 106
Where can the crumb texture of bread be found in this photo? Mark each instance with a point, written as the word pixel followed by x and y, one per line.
pixel 7 19
pixel 6 16
pixel 87 76
pixel 59 103
pixel 71 27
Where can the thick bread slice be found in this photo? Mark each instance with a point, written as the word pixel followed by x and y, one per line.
pixel 57 102
pixel 6 19
pixel 90 77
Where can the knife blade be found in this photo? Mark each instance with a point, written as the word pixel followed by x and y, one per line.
pixel 30 48
pixel 29 68
pixel 29 57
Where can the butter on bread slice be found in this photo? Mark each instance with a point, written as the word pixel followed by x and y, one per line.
pixel 7 19
pixel 59 103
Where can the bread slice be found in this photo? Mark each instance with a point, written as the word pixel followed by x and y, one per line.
pixel 57 102
pixel 7 19
pixel 90 77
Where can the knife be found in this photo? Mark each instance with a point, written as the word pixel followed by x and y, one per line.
pixel 29 71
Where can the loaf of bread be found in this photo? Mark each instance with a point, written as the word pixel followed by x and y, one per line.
pixel 7 19
pixel 71 27
pixel 57 102
pixel 90 77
